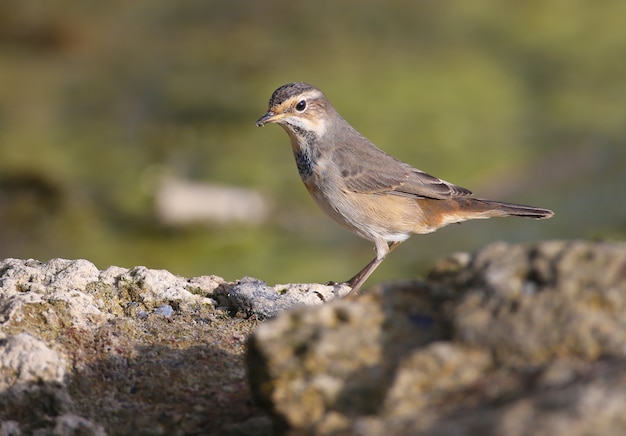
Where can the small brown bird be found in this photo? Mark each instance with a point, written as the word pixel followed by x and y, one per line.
pixel 363 188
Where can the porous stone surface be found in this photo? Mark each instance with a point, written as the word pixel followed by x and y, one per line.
pixel 129 351
pixel 512 340
pixel 253 297
pixel 25 359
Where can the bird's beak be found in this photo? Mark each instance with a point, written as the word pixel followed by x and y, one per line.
pixel 269 117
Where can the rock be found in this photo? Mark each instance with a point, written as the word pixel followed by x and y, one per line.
pixel 10 428
pixel 530 304
pixel 76 425
pixel 515 339
pixel 24 359
pixel 253 297
pixel 28 286
pixel 165 310
pixel 127 351
pixel 181 203
pixel 119 351
pixel 336 361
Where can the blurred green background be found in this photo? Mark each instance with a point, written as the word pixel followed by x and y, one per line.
pixel 518 101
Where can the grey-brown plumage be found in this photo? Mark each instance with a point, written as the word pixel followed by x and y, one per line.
pixel 366 190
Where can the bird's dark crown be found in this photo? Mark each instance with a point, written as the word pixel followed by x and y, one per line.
pixel 288 91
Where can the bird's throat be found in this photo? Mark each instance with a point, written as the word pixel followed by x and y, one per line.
pixel 304 163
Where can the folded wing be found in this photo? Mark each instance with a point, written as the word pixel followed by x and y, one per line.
pixel 388 175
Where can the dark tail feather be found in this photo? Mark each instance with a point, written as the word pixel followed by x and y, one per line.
pixel 518 209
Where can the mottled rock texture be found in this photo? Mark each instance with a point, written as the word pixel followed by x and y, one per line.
pixel 130 351
pixel 513 340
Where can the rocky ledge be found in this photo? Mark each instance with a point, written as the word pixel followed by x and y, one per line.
pixel 513 339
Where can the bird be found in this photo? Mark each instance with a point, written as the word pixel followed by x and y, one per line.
pixel 364 189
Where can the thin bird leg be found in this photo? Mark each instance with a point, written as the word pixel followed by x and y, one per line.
pixel 382 250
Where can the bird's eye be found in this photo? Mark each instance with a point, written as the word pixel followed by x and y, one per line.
pixel 301 106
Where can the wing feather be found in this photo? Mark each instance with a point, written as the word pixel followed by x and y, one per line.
pixel 375 172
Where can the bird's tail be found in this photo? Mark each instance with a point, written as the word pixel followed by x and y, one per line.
pixel 438 213
pixel 499 208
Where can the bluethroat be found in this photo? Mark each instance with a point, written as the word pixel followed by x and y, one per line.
pixel 369 192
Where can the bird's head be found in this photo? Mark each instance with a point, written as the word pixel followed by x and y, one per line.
pixel 300 108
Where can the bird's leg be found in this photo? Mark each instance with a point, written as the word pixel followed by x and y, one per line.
pixel 382 250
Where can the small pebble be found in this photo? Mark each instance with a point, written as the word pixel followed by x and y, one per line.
pixel 165 310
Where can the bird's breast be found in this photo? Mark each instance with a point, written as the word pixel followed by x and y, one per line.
pixel 317 175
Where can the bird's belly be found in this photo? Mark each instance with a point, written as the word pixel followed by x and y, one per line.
pixel 366 215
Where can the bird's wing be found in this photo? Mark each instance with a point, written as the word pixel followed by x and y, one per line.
pixel 423 184
pixel 376 172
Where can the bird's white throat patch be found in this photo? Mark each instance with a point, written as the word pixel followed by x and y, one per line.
pixel 316 126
